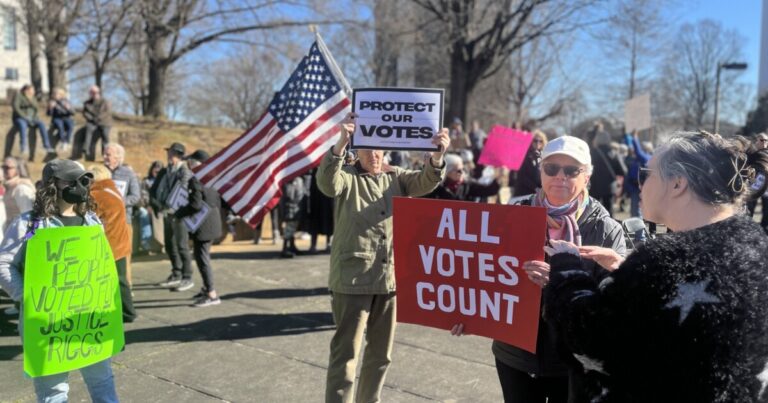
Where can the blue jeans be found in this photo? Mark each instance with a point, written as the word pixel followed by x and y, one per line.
pixel 64 126
pixel 23 126
pixel 98 378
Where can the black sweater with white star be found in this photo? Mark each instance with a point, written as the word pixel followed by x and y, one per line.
pixel 683 319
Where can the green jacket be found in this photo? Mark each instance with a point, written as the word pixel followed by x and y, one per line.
pixel 362 256
pixel 24 108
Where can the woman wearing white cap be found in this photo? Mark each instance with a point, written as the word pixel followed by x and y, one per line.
pixel 574 216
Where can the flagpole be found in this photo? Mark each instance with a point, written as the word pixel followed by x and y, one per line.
pixel 331 61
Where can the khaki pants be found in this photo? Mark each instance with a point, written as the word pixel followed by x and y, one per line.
pixel 352 315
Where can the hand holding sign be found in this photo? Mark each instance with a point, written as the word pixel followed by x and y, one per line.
pixel 346 127
pixel 442 141
pixel 537 271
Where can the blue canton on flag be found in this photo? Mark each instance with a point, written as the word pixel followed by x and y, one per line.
pixel 310 85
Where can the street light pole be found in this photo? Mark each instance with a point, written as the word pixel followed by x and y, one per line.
pixel 720 67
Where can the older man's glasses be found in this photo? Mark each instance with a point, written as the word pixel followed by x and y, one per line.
pixel 643 174
pixel 570 171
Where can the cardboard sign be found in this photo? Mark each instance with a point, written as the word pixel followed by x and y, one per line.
pixel 505 147
pixel 397 118
pixel 72 310
pixel 461 262
pixel 637 113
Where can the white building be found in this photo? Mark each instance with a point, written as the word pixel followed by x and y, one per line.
pixel 14 50
pixel 762 86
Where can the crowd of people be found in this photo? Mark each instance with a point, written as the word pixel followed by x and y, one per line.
pixel 681 317
pixel 59 136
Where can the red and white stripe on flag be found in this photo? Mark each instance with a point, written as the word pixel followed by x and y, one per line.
pixel 291 137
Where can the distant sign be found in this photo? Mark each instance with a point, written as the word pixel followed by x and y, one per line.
pixel 397 118
pixel 637 113
pixel 505 147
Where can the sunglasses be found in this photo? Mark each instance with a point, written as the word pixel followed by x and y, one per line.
pixel 7 167
pixel 570 171
pixel 643 174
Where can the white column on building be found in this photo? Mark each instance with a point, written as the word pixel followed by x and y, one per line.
pixel 762 86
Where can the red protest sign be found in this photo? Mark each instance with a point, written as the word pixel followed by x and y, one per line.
pixel 505 147
pixel 459 262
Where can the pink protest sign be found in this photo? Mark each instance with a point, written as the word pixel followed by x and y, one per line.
pixel 505 147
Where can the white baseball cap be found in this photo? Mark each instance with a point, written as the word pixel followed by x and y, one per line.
pixel 573 147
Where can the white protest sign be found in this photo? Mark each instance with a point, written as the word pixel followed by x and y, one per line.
pixel 637 113
pixel 397 118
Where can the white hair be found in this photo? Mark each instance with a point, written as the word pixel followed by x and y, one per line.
pixel 452 161
pixel 118 148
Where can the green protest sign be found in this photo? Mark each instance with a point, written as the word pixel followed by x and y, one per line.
pixel 72 310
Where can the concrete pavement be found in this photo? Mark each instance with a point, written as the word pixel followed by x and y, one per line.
pixel 267 342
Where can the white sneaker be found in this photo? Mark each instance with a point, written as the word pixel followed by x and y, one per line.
pixel 208 301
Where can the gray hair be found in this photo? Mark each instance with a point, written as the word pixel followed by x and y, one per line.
pixel 117 147
pixel 717 170
pixel 452 161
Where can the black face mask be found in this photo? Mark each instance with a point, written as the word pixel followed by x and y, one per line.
pixel 77 192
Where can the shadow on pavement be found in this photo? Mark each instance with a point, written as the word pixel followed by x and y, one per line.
pixel 278 293
pixel 235 328
pixel 246 255
pixel 140 307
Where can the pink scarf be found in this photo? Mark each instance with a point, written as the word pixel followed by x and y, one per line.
pixel 562 221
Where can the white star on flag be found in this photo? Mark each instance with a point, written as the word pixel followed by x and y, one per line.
pixel 690 294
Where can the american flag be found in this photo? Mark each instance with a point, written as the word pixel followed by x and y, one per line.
pixel 291 137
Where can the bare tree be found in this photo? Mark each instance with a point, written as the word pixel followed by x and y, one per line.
pixel 236 90
pixel 483 34
pixel 632 39
pixel 54 19
pixel 539 89
pixel 386 55
pixel 35 49
pixel 690 68
pixel 174 28
pixel 105 28
pixel 131 74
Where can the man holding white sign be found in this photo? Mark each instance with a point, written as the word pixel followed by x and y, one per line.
pixel 362 279
pixel 397 118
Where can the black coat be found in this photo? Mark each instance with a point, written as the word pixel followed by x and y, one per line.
pixel 683 319
pixel 607 166
pixel 528 177
pixel 210 229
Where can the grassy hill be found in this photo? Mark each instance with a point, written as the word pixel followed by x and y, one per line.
pixel 144 139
